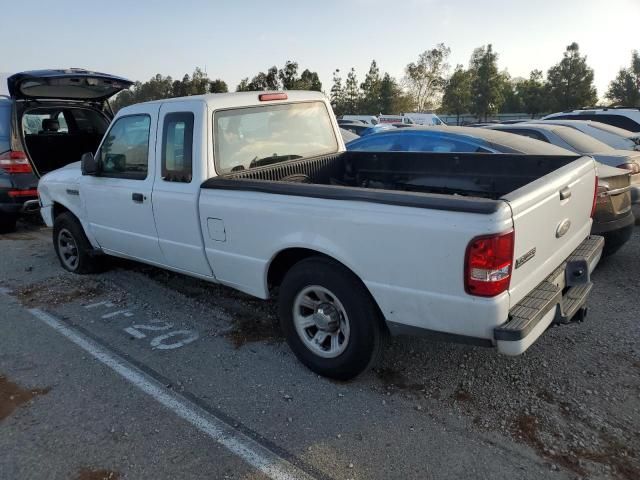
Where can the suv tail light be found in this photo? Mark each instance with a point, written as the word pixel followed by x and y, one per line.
pixel 633 167
pixel 595 197
pixel 15 162
pixel 488 263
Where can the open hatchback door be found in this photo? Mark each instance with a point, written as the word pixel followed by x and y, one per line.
pixel 70 84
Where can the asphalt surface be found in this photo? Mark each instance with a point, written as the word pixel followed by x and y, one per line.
pixel 568 408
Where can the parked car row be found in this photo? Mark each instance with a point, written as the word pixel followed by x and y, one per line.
pixel 613 215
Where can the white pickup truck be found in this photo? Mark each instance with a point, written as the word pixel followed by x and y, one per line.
pixel 255 191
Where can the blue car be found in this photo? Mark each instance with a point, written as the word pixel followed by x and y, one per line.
pixel 451 139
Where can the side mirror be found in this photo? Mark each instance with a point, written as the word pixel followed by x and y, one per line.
pixel 89 164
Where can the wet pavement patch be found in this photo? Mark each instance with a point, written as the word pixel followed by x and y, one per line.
pixel 88 474
pixel 13 396
pixel 249 328
pixel 58 291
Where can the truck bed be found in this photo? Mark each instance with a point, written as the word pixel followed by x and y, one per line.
pixel 471 182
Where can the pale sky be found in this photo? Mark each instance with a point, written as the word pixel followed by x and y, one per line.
pixel 138 39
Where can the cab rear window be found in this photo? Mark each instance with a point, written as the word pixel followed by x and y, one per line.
pixel 256 136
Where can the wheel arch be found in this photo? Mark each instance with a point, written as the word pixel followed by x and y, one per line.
pixel 285 259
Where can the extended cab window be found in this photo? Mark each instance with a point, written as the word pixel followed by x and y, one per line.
pixel 125 151
pixel 256 136
pixel 177 142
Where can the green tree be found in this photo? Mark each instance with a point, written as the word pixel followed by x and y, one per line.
pixel 426 78
pixel 243 86
pixel 218 86
pixel 389 91
pixel 371 103
pixel 309 81
pixel 265 81
pixel 288 75
pixel 571 81
pixel 534 94
pixel 625 88
pixel 337 96
pixel 486 83
pixel 351 93
pixel 457 93
pixel 512 103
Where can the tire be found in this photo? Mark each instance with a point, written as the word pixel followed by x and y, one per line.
pixel 8 223
pixel 70 242
pixel 320 291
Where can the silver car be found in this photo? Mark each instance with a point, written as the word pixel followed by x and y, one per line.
pixel 574 140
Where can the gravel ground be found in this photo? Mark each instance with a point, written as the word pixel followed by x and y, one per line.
pixel 572 400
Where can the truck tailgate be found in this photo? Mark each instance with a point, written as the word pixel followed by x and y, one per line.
pixel 551 218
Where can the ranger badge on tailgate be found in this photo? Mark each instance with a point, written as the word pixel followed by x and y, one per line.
pixel 526 257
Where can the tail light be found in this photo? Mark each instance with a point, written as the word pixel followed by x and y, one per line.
pixel 595 198
pixel 31 192
pixel 633 167
pixel 488 263
pixel 15 162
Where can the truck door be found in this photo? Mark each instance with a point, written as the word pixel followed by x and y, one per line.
pixel 182 160
pixel 118 200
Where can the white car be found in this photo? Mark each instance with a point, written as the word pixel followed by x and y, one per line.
pixel 615 137
pixel 368 119
pixel 622 117
pixel 255 191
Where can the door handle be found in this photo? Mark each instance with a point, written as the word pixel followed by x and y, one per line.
pixel 565 193
pixel 137 197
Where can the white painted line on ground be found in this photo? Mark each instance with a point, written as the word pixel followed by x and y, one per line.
pixel 135 333
pixel 105 303
pixel 126 313
pixel 256 455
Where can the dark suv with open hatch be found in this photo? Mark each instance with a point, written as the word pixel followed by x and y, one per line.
pixel 49 119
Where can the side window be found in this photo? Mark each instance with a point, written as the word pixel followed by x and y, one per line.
pixel 177 147
pixel 62 123
pixel 125 150
pixel 619 121
pixel 443 145
pixel 377 143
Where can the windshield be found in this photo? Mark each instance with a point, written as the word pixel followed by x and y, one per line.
pixel 256 136
pixel 581 142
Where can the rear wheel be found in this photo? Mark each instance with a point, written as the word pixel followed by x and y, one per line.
pixel 329 319
pixel 8 223
pixel 72 246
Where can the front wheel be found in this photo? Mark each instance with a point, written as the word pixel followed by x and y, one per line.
pixel 72 246
pixel 329 319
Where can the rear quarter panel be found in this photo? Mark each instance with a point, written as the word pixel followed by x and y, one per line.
pixel 410 259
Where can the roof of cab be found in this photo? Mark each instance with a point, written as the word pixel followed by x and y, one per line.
pixel 237 99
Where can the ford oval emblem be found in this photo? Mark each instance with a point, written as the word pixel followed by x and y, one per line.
pixel 563 228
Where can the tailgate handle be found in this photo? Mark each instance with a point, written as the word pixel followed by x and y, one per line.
pixel 565 193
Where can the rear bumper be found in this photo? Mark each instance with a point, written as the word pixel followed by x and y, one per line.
pixel 551 301
pixel 602 228
pixel 28 207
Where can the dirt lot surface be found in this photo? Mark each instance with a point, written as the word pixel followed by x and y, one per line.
pixel 568 408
